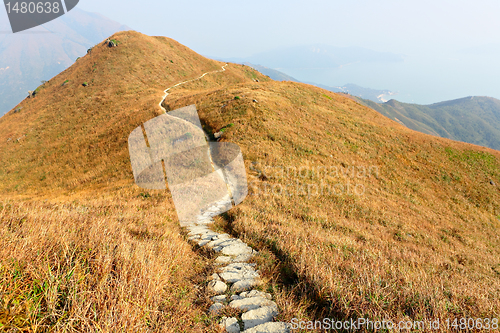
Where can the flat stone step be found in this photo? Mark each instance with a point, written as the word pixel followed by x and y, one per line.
pixel 259 316
pixel 233 274
pixel 219 299
pixel 251 303
pixel 215 308
pixel 244 285
pixel 255 293
pixel 230 324
pixel 236 249
pixel 221 242
pixel 216 287
pixel 223 259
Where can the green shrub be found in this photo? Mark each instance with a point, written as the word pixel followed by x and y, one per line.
pixel 226 127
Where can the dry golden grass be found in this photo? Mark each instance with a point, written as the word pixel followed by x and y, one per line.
pixel 420 241
pixel 108 264
pixel 81 249
pixel 73 137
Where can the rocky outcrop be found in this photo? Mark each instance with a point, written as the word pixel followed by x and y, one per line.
pixel 111 43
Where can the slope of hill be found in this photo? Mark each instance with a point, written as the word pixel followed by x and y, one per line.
pixel 366 217
pixel 39 54
pixel 75 119
pixel 354 215
pixel 84 227
pixel 471 119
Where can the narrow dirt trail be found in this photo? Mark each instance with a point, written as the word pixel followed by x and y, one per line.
pixel 187 81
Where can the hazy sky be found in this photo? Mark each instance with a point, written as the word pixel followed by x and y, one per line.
pixel 431 35
pixel 241 28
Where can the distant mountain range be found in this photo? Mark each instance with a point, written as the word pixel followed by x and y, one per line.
pixel 351 89
pixel 272 73
pixel 355 90
pixel 472 119
pixel 318 56
pixel 40 53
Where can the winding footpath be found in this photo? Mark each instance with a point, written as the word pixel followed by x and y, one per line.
pixel 187 81
pixel 233 283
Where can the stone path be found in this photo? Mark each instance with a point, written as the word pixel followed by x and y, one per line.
pixel 234 282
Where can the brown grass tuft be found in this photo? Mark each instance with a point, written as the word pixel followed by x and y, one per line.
pixel 106 264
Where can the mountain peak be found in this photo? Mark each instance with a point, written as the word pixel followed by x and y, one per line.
pixel 84 115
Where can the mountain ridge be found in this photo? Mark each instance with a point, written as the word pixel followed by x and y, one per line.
pixel 473 119
pixel 105 82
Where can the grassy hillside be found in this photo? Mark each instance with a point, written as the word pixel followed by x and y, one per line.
pixel 70 136
pixel 472 119
pixel 82 247
pixel 353 214
pixel 109 263
pixel 406 225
